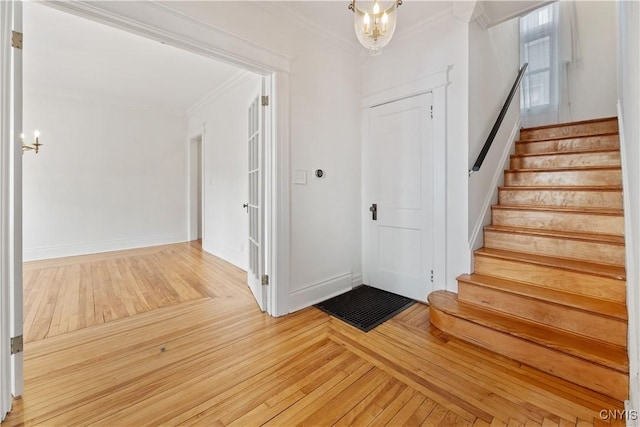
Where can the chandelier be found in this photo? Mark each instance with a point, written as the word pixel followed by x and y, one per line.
pixel 374 23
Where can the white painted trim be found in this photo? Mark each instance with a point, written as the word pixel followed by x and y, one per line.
pixel 229 84
pixel 191 141
pixel 230 255
pixel 440 186
pixel 158 21
pixel 632 274
pixel 278 162
pixel 351 46
pixel 320 291
pixel 356 280
pixel 629 406
pixel 423 84
pixel 5 241
pixel 416 29
pixel 475 240
pixel 15 218
pixel 59 251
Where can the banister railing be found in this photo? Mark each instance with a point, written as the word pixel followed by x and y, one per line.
pixel 496 126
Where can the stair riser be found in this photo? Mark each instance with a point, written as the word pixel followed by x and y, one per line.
pixel 594 128
pixel 600 252
pixel 604 142
pixel 552 278
pixel 567 198
pixel 580 222
pixel 566 160
pixel 562 178
pixel 590 375
pixel 573 320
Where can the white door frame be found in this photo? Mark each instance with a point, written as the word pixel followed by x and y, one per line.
pixel 197 140
pixel 435 82
pixel 158 21
pixel 11 305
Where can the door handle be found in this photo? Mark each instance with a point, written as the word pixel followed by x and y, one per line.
pixel 374 211
pixel 246 206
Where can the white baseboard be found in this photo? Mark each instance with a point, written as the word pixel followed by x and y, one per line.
pixel 73 249
pixel 320 291
pixel 475 241
pixel 356 280
pixel 234 257
pixel 632 406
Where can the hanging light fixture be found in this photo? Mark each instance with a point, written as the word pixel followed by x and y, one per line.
pixel 375 22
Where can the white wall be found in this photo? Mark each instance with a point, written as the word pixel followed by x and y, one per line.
pixel 494 58
pixel 629 98
pixel 324 133
pixel 443 43
pixel 592 82
pixel 109 176
pixel 225 189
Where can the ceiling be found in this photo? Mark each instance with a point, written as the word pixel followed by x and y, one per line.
pixel 68 54
pixel 335 18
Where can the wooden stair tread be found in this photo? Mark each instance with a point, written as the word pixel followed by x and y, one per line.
pixel 566 153
pixel 563 209
pixel 565 137
pixel 577 123
pixel 589 304
pixel 603 270
pixel 561 188
pixel 570 235
pixel 564 169
pixel 609 355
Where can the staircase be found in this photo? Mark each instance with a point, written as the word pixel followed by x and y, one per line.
pixel 548 288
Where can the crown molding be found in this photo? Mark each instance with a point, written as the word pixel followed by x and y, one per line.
pixel 424 25
pixel 158 21
pixel 231 82
pixel 278 9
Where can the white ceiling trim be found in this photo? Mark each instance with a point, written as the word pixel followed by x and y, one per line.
pixel 234 80
pixel 306 24
pixel 422 26
pixel 146 18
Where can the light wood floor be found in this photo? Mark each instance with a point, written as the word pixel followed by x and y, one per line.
pixel 210 357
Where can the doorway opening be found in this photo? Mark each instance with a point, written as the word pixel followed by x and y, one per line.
pixel 195 189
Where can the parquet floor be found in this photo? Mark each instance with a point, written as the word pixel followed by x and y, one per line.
pixel 212 358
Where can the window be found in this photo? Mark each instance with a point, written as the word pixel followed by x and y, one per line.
pixel 538 47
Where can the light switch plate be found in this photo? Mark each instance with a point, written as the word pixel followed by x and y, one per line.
pixel 300 177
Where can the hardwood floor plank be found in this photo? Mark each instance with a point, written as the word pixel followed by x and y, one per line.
pixel 171 336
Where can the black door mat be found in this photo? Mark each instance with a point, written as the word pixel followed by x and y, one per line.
pixel 365 307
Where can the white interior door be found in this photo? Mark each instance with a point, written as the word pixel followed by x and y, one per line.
pixel 399 192
pixel 11 372
pixel 255 205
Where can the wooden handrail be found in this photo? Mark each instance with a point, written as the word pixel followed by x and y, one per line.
pixel 496 126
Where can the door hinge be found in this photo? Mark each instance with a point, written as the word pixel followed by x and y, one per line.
pixel 265 280
pixel 431 111
pixel 16 344
pixel 431 276
pixel 265 100
pixel 16 39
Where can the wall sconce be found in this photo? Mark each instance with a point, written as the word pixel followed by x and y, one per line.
pixel 35 146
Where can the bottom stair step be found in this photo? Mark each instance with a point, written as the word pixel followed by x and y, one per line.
pixel 598 366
